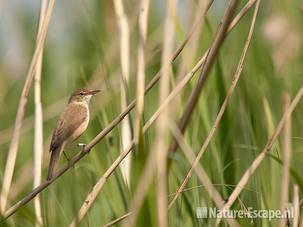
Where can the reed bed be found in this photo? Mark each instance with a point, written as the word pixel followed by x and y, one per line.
pixel 201 106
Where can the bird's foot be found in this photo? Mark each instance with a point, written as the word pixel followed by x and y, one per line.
pixel 82 145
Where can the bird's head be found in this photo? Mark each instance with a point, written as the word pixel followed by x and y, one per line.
pixel 83 95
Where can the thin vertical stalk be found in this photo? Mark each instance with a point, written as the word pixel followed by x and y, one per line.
pixel 286 161
pixel 38 147
pixel 143 21
pixel 161 140
pixel 296 206
pixel 124 58
pixel 13 149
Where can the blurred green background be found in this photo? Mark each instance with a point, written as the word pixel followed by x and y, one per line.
pixel 82 50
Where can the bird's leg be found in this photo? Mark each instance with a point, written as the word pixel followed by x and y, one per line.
pixel 67 158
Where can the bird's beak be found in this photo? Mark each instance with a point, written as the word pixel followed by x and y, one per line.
pixel 93 92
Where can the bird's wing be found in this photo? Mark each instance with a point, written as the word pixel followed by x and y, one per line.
pixel 71 118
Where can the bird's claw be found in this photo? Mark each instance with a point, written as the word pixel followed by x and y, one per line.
pixel 82 145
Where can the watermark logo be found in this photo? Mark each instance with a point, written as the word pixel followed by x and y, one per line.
pixel 250 212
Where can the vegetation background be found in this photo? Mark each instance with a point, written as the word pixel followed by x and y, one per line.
pixel 82 49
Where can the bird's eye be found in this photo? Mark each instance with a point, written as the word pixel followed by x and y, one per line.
pixel 81 93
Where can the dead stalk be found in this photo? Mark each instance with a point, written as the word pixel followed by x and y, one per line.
pixel 160 143
pixel 296 206
pixel 143 18
pixel 13 150
pixel 286 161
pixel 117 220
pixel 124 58
pixel 38 147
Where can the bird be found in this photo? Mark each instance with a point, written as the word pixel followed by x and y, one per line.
pixel 72 122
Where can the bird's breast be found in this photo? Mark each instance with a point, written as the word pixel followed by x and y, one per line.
pixel 84 116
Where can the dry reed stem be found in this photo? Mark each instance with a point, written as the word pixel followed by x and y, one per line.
pixel 296 206
pixel 162 133
pixel 243 11
pixel 38 139
pixel 117 220
pixel 124 58
pixel 223 107
pixel 212 53
pixel 13 150
pixel 199 170
pixel 106 130
pixel 286 161
pixel 143 18
pixel 255 164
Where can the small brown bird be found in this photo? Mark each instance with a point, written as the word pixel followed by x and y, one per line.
pixel 71 124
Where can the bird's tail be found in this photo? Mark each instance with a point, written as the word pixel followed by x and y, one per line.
pixel 52 163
